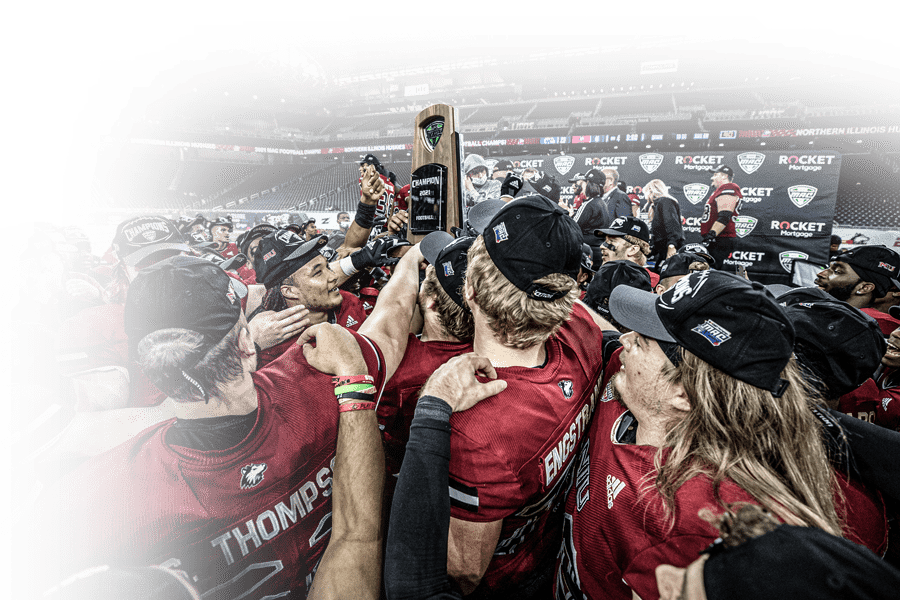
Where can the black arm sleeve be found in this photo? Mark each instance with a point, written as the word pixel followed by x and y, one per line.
pixel 672 224
pixel 874 450
pixel 415 561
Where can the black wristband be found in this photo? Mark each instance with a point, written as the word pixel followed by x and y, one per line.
pixel 365 215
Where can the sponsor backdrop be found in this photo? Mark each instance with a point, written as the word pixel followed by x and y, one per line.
pixel 787 211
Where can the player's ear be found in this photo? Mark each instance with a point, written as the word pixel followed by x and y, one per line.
pixel 865 287
pixel 289 291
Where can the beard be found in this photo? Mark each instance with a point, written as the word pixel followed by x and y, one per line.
pixel 842 293
pixel 613 391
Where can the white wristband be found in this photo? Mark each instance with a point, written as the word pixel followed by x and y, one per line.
pixel 347 267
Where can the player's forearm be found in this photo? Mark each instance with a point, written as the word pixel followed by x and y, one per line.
pixel 351 564
pixel 389 322
pixel 415 564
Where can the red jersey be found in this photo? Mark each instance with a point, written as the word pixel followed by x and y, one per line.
pixel 711 210
pixel 230 250
pixel 860 403
pixel 401 198
pixel 615 529
pixel 886 322
pixel 398 403
pixel 385 206
pixel 95 338
pixel 887 408
pixel 654 278
pixel 350 314
pixel 248 522
pixel 511 454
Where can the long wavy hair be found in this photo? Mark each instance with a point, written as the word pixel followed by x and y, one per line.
pixel 770 447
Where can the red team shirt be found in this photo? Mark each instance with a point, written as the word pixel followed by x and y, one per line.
pixel 248 522
pixel 350 315
pixel 615 537
pixel 511 453
pixel 398 403
pixel 711 211
pixel 887 407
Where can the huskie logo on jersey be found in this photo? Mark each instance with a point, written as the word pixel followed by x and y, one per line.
pixel 744 225
pixel 252 475
pixel 564 164
pixel 613 487
pixel 749 162
pixel 695 192
pixel 650 161
pixel 787 259
pixel 448 269
pixel 351 321
pixel 567 388
pixel 714 333
pixel 500 234
pixel 557 457
pixel 801 195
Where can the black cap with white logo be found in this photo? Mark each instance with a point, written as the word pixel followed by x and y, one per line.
pixel 282 252
pixel 530 238
pixel 733 324
pixel 449 256
pixel 724 169
pixel 139 238
pixel 622 226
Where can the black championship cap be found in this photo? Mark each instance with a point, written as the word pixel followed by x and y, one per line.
pixel 244 240
pixel 530 238
pixel 77 236
pixel 577 177
pixel 595 176
pixel 185 292
pixel 609 276
pixel 680 264
pixel 449 256
pixel 587 258
pixel 798 562
pixel 734 325
pixel 700 250
pixel 724 169
pixel 138 238
pixel 622 226
pixel 503 165
pixel 481 214
pixel 222 221
pixel 876 264
pixel 840 344
pixel 370 159
pixel 547 187
pixel 281 253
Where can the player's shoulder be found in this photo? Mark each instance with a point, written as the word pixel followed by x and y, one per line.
pixel 730 189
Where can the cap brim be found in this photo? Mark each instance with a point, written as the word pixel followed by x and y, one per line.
pixel 611 232
pixel 481 214
pixel 779 289
pixel 432 244
pixel 240 288
pixel 139 255
pixel 636 310
pixel 313 244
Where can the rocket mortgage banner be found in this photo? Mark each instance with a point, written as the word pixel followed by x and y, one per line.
pixel 786 214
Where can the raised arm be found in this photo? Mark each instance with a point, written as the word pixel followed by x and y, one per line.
pixel 370 192
pixel 389 324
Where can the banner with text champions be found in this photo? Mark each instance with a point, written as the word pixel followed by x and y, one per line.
pixel 789 197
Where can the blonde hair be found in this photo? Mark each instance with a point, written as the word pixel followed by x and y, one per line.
pixel 453 319
pixel 518 320
pixel 657 187
pixel 644 247
pixel 770 447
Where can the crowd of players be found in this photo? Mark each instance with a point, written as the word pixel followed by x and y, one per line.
pixel 553 401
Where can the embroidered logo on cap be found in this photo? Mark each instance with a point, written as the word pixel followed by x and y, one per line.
pixel 714 333
pixel 448 269
pixel 884 265
pixel 268 255
pixel 500 234
pixel 252 475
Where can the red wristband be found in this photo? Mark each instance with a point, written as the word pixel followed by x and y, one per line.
pixel 349 406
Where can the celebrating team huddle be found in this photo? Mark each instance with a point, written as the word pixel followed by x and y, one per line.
pixel 525 409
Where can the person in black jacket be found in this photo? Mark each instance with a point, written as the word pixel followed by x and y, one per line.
pixel 593 213
pixel 666 232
